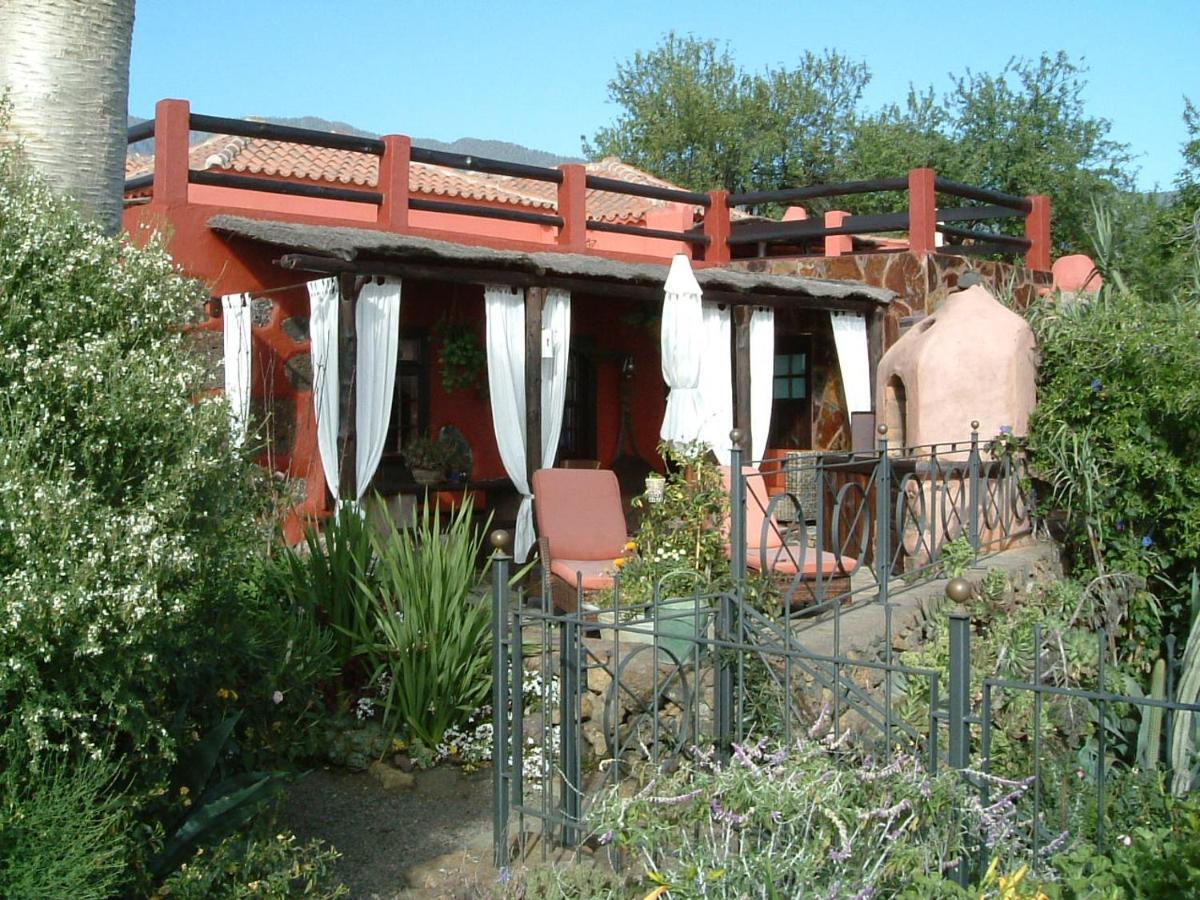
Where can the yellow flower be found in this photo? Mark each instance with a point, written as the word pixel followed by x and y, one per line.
pixel 619 562
pixel 184 791
pixel 630 546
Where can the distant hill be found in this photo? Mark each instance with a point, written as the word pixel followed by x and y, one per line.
pixel 502 150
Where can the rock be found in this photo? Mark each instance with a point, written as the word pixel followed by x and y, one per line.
pixel 391 779
pixel 403 762
pixel 261 310
pixel 595 738
pixel 296 328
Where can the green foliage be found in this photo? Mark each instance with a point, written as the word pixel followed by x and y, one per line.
pixel 463 358
pixel 64 829
pixel 1026 130
pixel 223 803
pixel 126 518
pixel 257 865
pixel 956 557
pixel 330 579
pixel 1153 855
pixel 690 114
pixel 807 820
pixel 680 542
pixel 1114 435
pixel 427 633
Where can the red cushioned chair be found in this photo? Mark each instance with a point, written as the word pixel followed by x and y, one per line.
pixel 778 550
pixel 581 530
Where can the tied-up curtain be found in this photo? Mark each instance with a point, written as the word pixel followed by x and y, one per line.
pixel 716 380
pixel 377 326
pixel 850 336
pixel 682 336
pixel 235 315
pixel 762 377
pixel 323 329
pixel 556 345
pixel 505 310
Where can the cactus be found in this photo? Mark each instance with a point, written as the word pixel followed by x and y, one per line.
pixel 1150 732
pixel 1182 744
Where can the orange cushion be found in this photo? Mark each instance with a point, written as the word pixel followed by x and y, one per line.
pixel 783 560
pixel 579 511
pixel 594 574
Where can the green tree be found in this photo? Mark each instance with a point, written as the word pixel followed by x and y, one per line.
pixel 1026 130
pixel 691 115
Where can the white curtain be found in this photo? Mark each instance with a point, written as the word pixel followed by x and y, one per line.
pixel 377 329
pixel 850 335
pixel 323 328
pixel 682 334
pixel 235 315
pixel 716 380
pixel 762 377
pixel 556 345
pixel 505 309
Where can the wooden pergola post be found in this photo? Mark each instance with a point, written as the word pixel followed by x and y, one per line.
pixel 535 300
pixel 347 344
pixel 741 374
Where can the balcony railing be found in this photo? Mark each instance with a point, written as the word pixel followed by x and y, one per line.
pixel 714 240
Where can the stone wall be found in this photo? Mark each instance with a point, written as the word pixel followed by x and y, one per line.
pixel 920 284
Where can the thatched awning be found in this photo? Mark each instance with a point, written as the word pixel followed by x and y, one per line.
pixel 323 248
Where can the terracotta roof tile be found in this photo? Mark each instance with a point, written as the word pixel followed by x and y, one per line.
pixel 255 156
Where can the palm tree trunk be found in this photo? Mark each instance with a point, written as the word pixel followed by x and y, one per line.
pixel 65 67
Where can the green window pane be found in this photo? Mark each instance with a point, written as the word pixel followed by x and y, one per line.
pixel 781 389
pixel 781 365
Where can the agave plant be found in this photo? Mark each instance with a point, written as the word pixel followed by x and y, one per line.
pixel 427 634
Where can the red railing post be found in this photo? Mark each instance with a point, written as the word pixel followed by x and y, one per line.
pixel 716 227
pixel 172 127
pixel 837 244
pixel 393 182
pixel 1037 232
pixel 572 207
pixel 922 212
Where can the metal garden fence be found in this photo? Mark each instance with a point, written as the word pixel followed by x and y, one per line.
pixel 599 696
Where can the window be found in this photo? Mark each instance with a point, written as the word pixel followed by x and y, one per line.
pixel 578 438
pixel 410 399
pixel 791 376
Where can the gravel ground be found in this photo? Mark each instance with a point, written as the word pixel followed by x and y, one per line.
pixel 431 840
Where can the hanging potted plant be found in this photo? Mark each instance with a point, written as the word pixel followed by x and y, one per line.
pixel 462 358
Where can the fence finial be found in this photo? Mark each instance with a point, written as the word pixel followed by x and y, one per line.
pixel 500 540
pixel 958 590
pixel 974 424
pixel 736 436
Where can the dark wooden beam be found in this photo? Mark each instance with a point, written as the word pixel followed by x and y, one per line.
pixel 875 334
pixel 535 300
pixel 741 375
pixel 347 344
pixel 577 286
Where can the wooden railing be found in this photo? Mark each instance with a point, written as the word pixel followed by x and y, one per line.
pixel 712 240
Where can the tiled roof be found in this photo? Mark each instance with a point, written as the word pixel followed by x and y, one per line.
pixel 255 156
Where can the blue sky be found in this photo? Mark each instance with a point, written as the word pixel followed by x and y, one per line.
pixel 536 73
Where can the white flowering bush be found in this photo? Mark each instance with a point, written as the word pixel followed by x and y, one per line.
pixel 126 519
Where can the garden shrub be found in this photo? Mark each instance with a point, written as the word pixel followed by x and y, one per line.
pixel 133 614
pixel 1115 436
pixel 260 865
pixel 679 545
pixel 63 827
